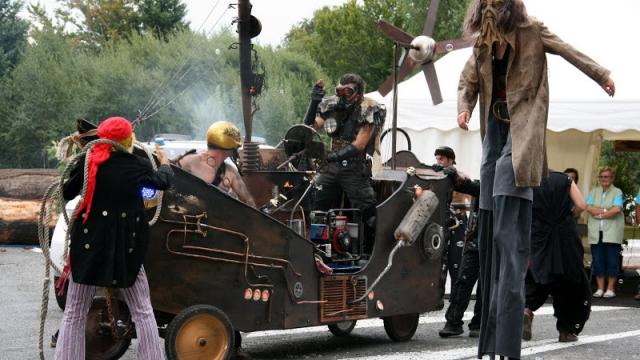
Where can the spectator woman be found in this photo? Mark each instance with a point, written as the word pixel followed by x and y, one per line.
pixel 606 230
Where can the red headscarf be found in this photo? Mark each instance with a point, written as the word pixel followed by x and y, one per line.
pixel 116 129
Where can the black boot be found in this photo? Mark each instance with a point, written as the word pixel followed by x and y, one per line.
pixel 450 330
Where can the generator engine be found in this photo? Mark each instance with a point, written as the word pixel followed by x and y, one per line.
pixel 337 236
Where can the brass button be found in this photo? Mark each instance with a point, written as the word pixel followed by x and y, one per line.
pixel 87 246
pixel 137 219
pixel 114 282
pixel 134 234
pixel 130 250
pixel 124 215
pixel 104 213
pixel 86 231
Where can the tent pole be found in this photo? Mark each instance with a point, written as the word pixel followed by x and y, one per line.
pixel 394 126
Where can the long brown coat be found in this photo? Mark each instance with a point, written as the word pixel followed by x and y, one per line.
pixel 527 92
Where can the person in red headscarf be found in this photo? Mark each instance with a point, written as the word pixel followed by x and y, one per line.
pixel 109 237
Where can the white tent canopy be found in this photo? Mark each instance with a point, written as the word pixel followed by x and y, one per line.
pixel 581 115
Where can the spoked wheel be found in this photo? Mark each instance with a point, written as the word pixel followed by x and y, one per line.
pixel 401 327
pixel 100 341
pixel 343 328
pixel 200 332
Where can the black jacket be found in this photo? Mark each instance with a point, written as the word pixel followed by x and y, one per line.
pixel 109 249
pixel 556 249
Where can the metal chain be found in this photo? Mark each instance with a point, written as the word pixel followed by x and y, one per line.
pixel 112 320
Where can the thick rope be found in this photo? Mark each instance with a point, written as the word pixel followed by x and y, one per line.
pixel 53 196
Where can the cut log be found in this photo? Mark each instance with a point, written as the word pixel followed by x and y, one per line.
pixel 19 221
pixel 27 184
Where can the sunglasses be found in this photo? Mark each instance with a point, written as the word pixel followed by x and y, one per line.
pixel 345 90
pixel 605 176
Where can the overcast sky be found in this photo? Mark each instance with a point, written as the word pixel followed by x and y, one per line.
pixel 276 16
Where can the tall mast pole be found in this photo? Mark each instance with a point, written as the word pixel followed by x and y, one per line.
pixel 244 12
pixel 250 150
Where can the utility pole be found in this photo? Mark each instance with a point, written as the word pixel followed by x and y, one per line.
pixel 244 12
pixel 251 156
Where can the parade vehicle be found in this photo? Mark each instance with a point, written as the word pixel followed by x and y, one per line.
pixel 217 266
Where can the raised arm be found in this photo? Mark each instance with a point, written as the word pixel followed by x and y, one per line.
pixel 554 45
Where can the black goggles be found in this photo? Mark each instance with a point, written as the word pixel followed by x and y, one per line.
pixel 345 90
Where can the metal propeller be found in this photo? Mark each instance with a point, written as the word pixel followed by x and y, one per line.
pixel 422 50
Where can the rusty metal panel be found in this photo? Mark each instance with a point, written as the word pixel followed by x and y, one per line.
pixel 336 292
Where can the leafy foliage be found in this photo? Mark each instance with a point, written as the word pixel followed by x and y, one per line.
pixel 98 24
pixel 162 17
pixel 182 85
pixel 626 165
pixel 345 39
pixel 13 34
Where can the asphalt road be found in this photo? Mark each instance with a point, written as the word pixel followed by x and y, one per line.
pixel 613 331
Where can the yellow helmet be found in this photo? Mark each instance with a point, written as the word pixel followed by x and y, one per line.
pixel 224 135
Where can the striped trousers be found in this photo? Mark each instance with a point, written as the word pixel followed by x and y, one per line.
pixel 71 339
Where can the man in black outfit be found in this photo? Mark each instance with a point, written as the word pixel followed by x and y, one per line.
pixel 353 122
pixel 463 278
pixel 463 285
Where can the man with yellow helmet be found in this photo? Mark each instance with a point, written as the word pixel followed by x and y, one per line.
pixel 215 166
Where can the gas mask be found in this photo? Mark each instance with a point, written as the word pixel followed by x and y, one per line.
pixel 347 95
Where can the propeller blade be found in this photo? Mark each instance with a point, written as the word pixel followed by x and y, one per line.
pixel 432 15
pixel 446 46
pixel 432 80
pixel 394 33
pixel 404 70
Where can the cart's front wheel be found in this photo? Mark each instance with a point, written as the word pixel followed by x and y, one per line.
pixel 401 327
pixel 102 340
pixel 199 332
pixel 343 328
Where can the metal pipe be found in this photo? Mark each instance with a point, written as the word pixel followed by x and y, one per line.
pixel 399 244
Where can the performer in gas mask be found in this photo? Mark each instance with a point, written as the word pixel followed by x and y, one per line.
pixel 353 122
pixel 507 72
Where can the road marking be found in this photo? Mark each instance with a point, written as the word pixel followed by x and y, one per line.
pixel 424 319
pixel 529 348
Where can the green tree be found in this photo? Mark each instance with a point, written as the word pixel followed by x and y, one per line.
pixel 102 21
pixel 627 167
pixel 98 24
pixel 345 39
pixel 181 85
pixel 162 17
pixel 13 34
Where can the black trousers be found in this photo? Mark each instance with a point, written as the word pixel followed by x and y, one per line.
pixel 354 178
pixel 504 245
pixel 463 287
pixel 571 301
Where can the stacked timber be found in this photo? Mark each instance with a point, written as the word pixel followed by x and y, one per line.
pixel 21 192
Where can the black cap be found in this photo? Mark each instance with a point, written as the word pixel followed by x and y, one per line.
pixel 446 151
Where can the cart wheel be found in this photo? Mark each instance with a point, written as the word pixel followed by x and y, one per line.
pixel 343 328
pixel 401 327
pixel 433 241
pixel 199 332
pixel 60 299
pixel 100 343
